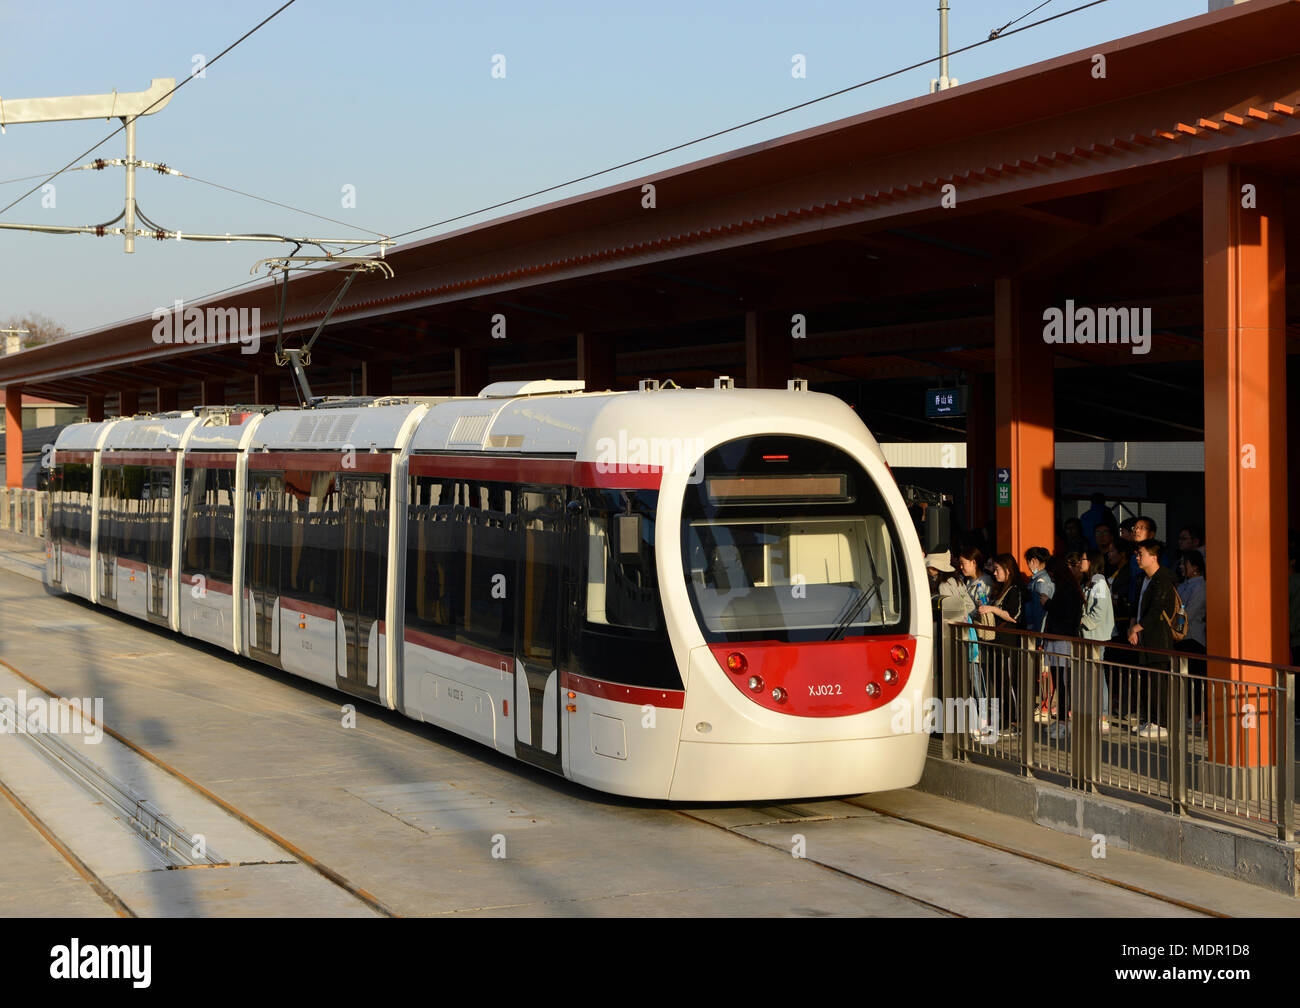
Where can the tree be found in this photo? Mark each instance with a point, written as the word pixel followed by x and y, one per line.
pixel 41 329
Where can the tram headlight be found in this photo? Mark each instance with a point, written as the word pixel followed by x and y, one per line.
pixel 891 675
pixel 778 694
pixel 898 653
pixel 873 689
pixel 737 663
pixel 756 683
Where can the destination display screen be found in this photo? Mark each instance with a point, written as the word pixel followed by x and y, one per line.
pixel 777 489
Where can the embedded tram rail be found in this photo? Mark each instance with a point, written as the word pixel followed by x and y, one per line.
pixel 366 801
pixel 203 857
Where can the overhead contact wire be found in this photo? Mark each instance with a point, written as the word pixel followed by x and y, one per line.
pixel 751 122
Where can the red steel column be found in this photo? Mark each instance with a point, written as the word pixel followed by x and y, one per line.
pixel 1245 439
pixel 471 370
pixel 1293 469
pixel 128 402
pixel 13 436
pixel 95 406
pixel 214 392
pixel 767 350
pixel 167 398
pixel 597 360
pixel 266 388
pixel 376 378
pixel 1026 418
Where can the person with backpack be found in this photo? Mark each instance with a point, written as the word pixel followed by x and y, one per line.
pixel 1157 607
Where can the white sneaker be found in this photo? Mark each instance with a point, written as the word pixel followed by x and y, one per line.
pixel 1152 731
pixel 1105 725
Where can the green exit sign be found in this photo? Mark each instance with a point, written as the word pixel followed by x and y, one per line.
pixel 1004 495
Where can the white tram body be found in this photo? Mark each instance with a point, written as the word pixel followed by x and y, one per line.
pixel 687 594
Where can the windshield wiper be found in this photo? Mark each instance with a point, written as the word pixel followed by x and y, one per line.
pixel 857 607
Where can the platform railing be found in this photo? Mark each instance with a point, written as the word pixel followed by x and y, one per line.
pixel 1196 731
pixel 24 512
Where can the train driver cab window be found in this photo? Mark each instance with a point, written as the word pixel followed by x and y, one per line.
pixel 789 539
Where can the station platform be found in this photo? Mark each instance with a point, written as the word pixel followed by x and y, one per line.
pixel 303 816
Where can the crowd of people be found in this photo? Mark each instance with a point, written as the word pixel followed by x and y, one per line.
pixel 1107 583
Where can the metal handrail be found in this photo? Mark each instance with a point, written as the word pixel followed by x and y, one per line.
pixel 1158 763
pixel 1019 632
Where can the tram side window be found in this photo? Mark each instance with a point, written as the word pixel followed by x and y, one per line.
pixel 489 562
pixel 210 524
pixel 157 512
pixel 434 564
pixel 363 559
pixel 621 584
pixel 110 489
pixel 461 556
pixel 130 530
pixel 266 531
pixel 71 484
pixel 307 559
pixel 622 636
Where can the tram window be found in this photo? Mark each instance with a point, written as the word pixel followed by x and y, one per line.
pixel 461 556
pixel 489 561
pixel 796 576
pixel 312 518
pixel 110 482
pixel 265 531
pixel 131 524
pixel 750 575
pixel 158 517
pixel 621 635
pixel 362 557
pixel 434 564
pixel 71 491
pixel 621 583
pixel 210 524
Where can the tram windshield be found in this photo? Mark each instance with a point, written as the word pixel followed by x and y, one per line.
pixel 788 539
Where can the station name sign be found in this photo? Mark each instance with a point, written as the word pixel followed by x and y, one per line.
pixel 945 402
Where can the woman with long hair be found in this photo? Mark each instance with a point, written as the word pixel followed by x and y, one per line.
pixel 1006 610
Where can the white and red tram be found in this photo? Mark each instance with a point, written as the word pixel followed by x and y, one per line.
pixel 691 594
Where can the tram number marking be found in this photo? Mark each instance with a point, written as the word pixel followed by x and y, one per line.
pixel 305 644
pixel 455 694
pixel 831 689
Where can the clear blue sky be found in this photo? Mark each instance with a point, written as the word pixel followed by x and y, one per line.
pixel 397 99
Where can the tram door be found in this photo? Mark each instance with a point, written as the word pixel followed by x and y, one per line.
pixel 539 514
pixel 264 530
pixel 363 580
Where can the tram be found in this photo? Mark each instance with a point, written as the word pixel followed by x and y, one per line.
pixel 686 594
